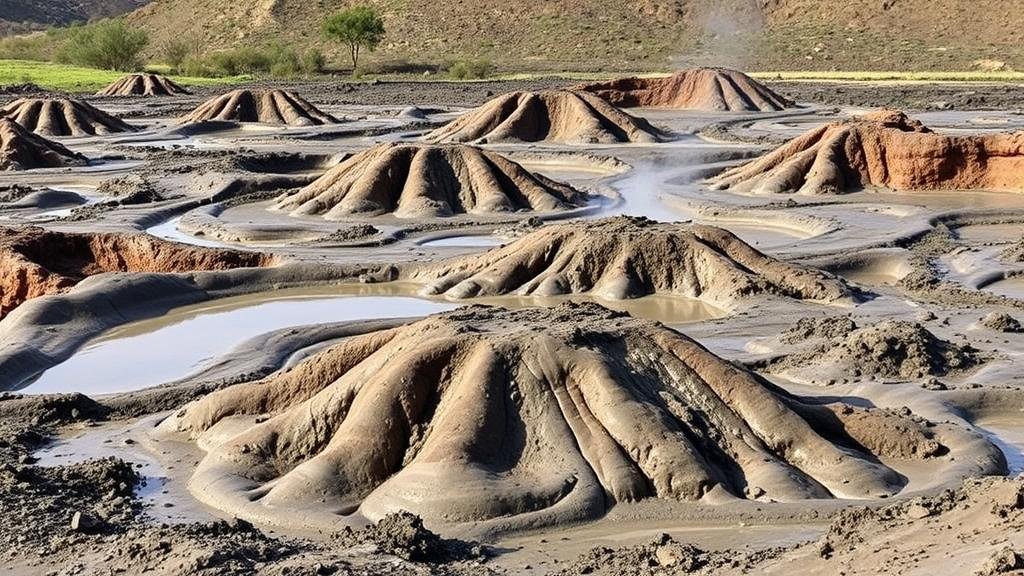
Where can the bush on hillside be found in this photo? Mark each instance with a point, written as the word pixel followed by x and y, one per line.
pixel 107 44
pixel 470 69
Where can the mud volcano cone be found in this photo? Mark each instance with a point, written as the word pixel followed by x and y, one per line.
pixel 35 262
pixel 23 150
pixel 63 117
pixel 525 418
pixel 143 85
pixel 551 116
pixel 264 106
pixel 711 89
pixel 883 149
pixel 426 180
pixel 625 257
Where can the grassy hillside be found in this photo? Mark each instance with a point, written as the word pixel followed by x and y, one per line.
pixel 600 35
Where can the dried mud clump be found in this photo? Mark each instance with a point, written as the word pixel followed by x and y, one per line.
pixel 883 149
pixel 889 349
pixel 623 257
pixel 564 116
pixel 1001 322
pixel 425 180
pixel 713 89
pixel 264 106
pixel 143 85
pixel 63 117
pixel 403 534
pixel 130 189
pixel 514 418
pixel 35 262
pixel 23 150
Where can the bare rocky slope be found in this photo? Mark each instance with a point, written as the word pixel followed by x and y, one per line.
pixel 648 34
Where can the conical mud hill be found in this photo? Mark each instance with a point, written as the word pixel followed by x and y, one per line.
pixel 563 116
pixel 23 150
pixel 426 180
pixel 63 117
pixel 625 257
pixel 143 85
pixel 264 106
pixel 884 149
pixel 524 418
pixel 35 262
pixel 711 89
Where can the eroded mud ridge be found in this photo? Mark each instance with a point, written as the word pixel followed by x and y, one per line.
pixel 143 85
pixel 628 257
pixel 265 106
pixel 425 180
pixel 718 89
pixel 63 117
pixel 884 149
pixel 538 415
pixel 23 150
pixel 35 262
pixel 564 116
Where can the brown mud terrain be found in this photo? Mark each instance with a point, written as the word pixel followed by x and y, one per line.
pixel 694 89
pixel 63 117
pixel 503 327
pixel 143 85
pixel 265 106
pixel 23 150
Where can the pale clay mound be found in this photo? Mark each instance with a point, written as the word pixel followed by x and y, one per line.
pixel 264 106
pixel 35 262
pixel 888 349
pixel 63 117
pixel 143 85
pixel 23 150
pixel 623 257
pixel 712 89
pixel 424 180
pixel 527 418
pixel 883 149
pixel 563 116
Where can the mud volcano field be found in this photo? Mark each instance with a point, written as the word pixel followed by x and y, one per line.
pixel 683 325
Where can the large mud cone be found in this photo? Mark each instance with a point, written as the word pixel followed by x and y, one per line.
pixel 551 116
pixel 143 85
pixel 63 117
pixel 23 150
pixel 526 417
pixel 425 180
pixel 35 262
pixel 625 257
pixel 264 106
pixel 884 149
pixel 712 89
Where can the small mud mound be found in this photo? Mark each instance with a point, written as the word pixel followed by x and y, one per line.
pixel 521 417
pixel 889 349
pixel 625 257
pixel 63 117
pixel 264 106
pixel 423 180
pixel 35 262
pixel 1001 322
pixel 884 149
pixel 551 116
pixel 143 85
pixel 130 189
pixel 403 534
pixel 23 150
pixel 716 89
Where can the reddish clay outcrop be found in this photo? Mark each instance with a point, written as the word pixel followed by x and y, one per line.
pixel 36 262
pixel 883 149
pixel 694 89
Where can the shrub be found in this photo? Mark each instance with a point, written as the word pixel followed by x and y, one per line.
pixel 174 52
pixel 107 44
pixel 466 69
pixel 38 47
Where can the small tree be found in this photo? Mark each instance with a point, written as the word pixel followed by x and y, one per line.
pixel 359 27
pixel 108 44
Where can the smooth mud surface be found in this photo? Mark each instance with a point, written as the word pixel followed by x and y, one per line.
pixel 574 352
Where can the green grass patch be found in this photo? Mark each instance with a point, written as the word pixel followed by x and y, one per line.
pixel 68 78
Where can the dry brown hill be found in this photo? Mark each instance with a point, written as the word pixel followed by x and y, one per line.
pixel 652 34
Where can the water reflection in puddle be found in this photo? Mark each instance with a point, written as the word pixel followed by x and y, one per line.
pixel 169 231
pixel 1008 435
pixel 467 241
pixel 1012 287
pixel 183 341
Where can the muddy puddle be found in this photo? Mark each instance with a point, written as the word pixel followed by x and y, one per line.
pixel 467 241
pixel 169 231
pixel 1007 433
pixel 182 342
pixel 1003 233
pixel 1012 287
